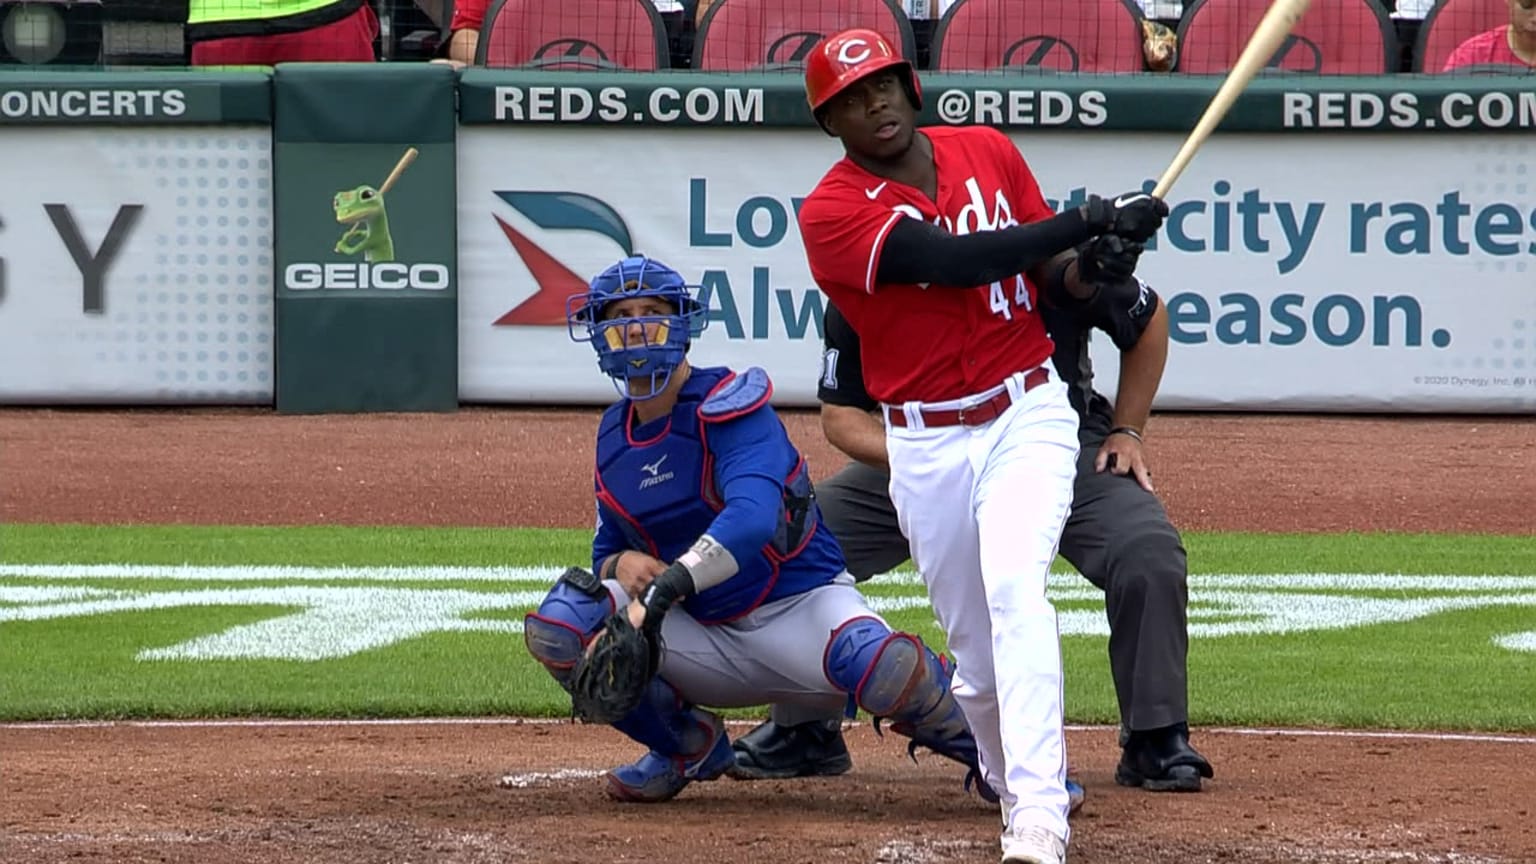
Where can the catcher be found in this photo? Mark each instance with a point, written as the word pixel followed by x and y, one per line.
pixel 713 581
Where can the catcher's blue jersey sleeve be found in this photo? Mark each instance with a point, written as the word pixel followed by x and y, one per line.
pixel 750 453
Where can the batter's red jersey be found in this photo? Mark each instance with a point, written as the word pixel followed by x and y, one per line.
pixel 921 343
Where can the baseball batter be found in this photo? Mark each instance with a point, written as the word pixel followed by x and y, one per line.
pixel 935 244
pixel 1118 536
pixel 713 581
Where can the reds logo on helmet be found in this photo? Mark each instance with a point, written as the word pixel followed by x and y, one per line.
pixel 845 57
pixel 853 51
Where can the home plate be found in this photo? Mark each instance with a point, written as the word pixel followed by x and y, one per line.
pixel 545 778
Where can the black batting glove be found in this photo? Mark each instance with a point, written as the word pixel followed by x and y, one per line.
pixel 1107 259
pixel 1135 216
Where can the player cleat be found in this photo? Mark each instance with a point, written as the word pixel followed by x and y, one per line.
pixel 1162 761
pixel 961 747
pixel 1076 795
pixel 775 752
pixel 657 777
pixel 1033 844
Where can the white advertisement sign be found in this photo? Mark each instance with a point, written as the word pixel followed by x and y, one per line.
pixel 1345 273
pixel 541 211
pixel 135 265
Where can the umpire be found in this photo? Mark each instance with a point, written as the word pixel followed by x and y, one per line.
pixel 1118 536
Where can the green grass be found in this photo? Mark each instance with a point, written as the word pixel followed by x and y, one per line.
pixel 313 545
pixel 319 545
pixel 1441 670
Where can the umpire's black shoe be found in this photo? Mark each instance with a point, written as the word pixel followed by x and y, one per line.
pixel 774 752
pixel 1161 760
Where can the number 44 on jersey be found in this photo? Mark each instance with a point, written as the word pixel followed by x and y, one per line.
pixel 999 299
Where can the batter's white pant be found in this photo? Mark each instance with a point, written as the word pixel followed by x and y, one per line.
pixel 772 654
pixel 984 508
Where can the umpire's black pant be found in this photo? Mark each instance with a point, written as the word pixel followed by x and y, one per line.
pixel 1118 536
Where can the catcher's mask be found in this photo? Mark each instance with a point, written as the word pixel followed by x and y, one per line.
pixel 637 348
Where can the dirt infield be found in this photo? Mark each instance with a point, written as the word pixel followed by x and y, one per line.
pixel 506 792
pixel 528 793
pixel 490 466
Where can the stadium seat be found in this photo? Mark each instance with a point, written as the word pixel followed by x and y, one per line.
pixel 1077 36
pixel 585 35
pixel 1334 37
pixel 1450 23
pixel 742 35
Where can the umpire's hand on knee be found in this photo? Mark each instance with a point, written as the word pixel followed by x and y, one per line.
pixel 1123 454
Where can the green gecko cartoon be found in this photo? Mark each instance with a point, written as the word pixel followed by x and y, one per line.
pixel 362 209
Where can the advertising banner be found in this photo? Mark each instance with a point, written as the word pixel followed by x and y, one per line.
pixel 1334 273
pixel 366 294
pixel 51 96
pixel 135 265
pixel 1294 104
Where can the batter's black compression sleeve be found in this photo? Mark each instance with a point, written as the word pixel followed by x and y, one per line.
pixel 919 252
pixel 842 370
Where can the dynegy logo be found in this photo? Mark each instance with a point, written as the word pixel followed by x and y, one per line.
pixel 748 294
pixel 558 211
pixel 362 210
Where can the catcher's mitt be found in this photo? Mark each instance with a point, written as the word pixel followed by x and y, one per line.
pixel 611 679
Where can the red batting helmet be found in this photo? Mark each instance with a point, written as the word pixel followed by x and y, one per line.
pixel 843 58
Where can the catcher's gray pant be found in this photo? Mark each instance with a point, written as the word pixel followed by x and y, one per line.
pixel 773 653
pixel 1118 536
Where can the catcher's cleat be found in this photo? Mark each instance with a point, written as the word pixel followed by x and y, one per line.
pixel 1076 795
pixel 656 777
pixel 959 747
pixel 775 752
pixel 1161 760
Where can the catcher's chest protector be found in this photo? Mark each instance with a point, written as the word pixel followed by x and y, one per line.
pixel 656 486
pixel 651 487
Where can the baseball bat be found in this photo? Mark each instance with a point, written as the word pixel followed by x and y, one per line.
pixel 1276 24
pixel 404 163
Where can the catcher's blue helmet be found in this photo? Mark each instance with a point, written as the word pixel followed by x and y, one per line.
pixel 650 351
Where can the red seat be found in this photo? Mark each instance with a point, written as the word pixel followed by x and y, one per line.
pixel 572 35
pixel 1452 22
pixel 739 35
pixel 1334 37
pixel 1063 35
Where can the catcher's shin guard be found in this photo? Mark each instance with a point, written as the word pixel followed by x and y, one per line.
pixel 895 677
pixel 686 744
pixel 573 610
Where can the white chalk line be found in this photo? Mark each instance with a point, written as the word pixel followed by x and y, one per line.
pixel 62 725
pixel 925 850
pixel 546 574
pixel 544 778
pixel 1365 733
